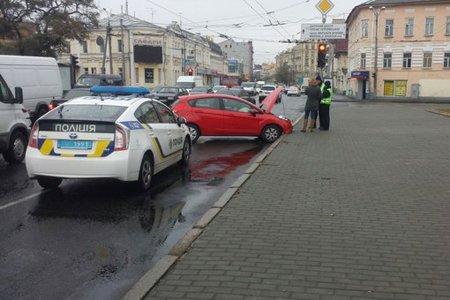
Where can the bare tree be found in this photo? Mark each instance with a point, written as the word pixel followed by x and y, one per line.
pixel 42 27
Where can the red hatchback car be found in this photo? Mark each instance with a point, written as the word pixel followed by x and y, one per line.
pixel 227 115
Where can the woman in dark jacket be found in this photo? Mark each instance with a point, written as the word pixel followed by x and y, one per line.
pixel 314 95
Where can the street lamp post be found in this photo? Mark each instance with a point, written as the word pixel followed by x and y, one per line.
pixel 376 11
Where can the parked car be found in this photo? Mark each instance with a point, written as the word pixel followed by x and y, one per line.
pixel 218 87
pixel 169 94
pixel 201 90
pixel 73 93
pixel 126 138
pixel 292 91
pixel 250 87
pixel 238 91
pixel 266 90
pixel 90 80
pixel 227 115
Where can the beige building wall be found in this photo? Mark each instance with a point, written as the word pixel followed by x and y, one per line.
pixel 403 77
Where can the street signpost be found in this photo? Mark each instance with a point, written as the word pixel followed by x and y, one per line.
pixel 324 6
pixel 319 31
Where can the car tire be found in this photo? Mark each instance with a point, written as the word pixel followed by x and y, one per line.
pixel 17 148
pixel 195 132
pixel 145 173
pixel 270 133
pixel 49 182
pixel 186 153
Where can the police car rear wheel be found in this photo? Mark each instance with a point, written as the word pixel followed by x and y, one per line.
pixel 195 132
pixel 49 182
pixel 186 152
pixel 145 173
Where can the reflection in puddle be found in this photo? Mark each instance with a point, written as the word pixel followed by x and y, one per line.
pixel 214 169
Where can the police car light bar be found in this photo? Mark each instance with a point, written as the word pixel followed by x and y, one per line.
pixel 119 90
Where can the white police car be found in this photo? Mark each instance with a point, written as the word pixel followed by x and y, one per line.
pixel 129 138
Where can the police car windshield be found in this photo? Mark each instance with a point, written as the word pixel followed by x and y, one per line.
pixel 107 113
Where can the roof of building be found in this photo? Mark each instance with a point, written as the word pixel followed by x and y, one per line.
pixel 390 3
pixel 128 22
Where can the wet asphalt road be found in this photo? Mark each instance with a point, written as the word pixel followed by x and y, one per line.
pixel 94 239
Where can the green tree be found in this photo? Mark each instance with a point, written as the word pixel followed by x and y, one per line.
pixel 282 74
pixel 42 27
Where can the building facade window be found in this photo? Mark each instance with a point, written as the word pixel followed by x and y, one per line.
pixel 364 28
pixel 363 61
pixel 387 60
pixel 407 60
pixel 149 75
pixel 427 58
pixel 409 27
pixel 120 72
pixel 93 70
pixel 395 88
pixel 86 70
pixel 389 28
pixel 119 45
pixel 447 26
pixel 84 46
pixel 447 60
pixel 429 25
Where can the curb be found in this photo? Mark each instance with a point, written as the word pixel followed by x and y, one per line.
pixel 145 284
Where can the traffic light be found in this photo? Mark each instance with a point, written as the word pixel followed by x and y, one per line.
pixel 190 71
pixel 74 60
pixel 321 55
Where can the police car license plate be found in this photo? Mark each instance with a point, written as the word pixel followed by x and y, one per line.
pixel 74 145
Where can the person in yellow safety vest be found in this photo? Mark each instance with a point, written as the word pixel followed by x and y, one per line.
pixel 321 86
pixel 324 107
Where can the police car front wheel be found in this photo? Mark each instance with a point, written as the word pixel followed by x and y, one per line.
pixel 49 182
pixel 145 173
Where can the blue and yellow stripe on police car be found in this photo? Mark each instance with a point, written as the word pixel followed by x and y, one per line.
pixel 102 149
pixel 160 152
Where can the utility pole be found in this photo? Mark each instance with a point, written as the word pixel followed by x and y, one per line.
pixel 376 11
pixel 123 49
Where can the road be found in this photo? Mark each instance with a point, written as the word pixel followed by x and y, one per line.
pixel 94 239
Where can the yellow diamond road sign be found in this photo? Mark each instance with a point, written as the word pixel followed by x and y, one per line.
pixel 324 6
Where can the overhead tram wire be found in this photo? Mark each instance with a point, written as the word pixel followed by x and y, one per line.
pixel 262 17
pixel 270 14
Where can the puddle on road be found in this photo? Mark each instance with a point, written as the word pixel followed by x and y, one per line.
pixel 215 169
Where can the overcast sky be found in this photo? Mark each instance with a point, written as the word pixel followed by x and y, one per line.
pixel 265 22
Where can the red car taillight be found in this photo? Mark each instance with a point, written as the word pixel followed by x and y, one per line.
pixel 121 139
pixel 33 142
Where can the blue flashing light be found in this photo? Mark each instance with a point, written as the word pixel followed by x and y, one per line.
pixel 119 90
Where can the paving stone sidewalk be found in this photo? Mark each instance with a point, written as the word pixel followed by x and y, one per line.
pixel 359 212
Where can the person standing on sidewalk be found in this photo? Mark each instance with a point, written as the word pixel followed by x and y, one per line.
pixel 314 95
pixel 322 87
pixel 324 106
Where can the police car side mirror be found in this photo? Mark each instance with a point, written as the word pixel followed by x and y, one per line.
pixel 180 121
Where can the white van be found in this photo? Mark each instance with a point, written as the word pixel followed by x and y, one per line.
pixel 189 82
pixel 39 78
pixel 14 123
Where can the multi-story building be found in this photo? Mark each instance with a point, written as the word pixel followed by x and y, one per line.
pixel 146 54
pixel 411 46
pixel 301 60
pixel 240 58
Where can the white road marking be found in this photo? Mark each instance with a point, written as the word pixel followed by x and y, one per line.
pixel 27 198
